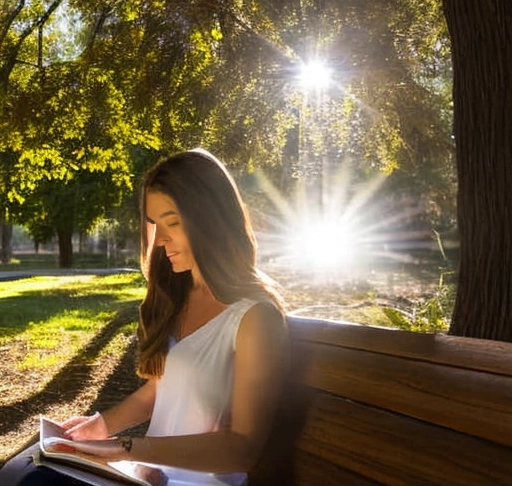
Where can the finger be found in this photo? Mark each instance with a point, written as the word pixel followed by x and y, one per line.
pixel 105 448
pixel 59 447
pixel 81 424
pixel 73 421
pixel 76 432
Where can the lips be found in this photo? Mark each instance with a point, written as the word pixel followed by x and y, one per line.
pixel 172 254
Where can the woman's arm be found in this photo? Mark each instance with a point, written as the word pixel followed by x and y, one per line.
pixel 134 410
pixel 261 360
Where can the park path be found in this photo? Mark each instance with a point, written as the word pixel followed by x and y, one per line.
pixel 57 272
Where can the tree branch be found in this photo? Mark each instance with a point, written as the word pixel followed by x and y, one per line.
pixel 96 30
pixel 38 22
pixel 248 28
pixel 12 54
pixel 11 17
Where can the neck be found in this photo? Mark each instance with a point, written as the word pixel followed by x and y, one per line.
pixel 201 290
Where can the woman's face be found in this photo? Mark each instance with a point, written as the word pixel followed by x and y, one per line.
pixel 163 215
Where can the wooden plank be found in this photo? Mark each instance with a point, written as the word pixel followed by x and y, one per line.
pixel 472 402
pixel 470 353
pixel 310 470
pixel 282 464
pixel 398 451
pixel 315 471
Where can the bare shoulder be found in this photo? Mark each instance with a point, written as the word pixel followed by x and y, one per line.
pixel 263 322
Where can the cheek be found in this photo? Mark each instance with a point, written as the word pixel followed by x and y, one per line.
pixel 183 239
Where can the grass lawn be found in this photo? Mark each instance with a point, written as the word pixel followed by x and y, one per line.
pixel 66 345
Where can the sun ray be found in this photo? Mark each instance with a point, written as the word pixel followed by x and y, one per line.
pixel 347 236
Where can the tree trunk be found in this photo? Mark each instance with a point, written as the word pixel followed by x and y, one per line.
pixel 65 236
pixel 6 240
pixel 481 35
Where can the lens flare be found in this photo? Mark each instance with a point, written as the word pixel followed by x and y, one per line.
pixel 342 238
pixel 315 75
pixel 324 245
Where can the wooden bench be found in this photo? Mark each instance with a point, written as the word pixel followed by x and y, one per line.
pixel 368 406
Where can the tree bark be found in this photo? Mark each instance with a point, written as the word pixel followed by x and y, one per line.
pixel 6 242
pixel 65 236
pixel 481 36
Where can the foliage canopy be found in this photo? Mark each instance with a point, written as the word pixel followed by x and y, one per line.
pixel 85 85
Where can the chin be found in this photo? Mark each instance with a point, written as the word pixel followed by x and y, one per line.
pixel 179 269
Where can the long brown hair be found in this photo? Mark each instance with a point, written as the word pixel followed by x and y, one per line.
pixel 222 242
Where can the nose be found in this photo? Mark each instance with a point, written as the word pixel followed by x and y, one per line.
pixel 161 238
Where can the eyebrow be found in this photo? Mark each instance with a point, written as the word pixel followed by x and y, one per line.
pixel 168 213
pixel 163 215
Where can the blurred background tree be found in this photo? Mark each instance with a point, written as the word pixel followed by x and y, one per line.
pixel 93 93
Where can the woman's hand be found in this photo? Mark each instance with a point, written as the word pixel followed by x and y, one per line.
pixel 86 428
pixel 110 448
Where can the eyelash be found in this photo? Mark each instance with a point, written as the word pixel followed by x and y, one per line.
pixel 172 224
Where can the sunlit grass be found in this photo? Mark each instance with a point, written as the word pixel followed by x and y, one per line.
pixel 45 321
pixel 54 347
pixel 39 361
pixel 125 284
pixel 54 341
pixel 118 344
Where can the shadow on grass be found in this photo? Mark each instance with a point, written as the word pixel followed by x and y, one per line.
pixel 73 378
pixel 121 382
pixel 38 306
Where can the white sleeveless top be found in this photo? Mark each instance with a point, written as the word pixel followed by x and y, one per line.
pixel 193 396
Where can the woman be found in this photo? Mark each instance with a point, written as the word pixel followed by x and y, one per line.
pixel 212 337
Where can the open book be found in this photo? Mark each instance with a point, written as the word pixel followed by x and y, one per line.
pixel 63 455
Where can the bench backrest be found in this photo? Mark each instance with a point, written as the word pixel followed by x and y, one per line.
pixel 372 406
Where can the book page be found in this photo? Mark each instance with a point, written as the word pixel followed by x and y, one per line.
pixel 55 447
pixel 81 474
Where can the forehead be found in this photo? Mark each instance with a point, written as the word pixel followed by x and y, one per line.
pixel 159 205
